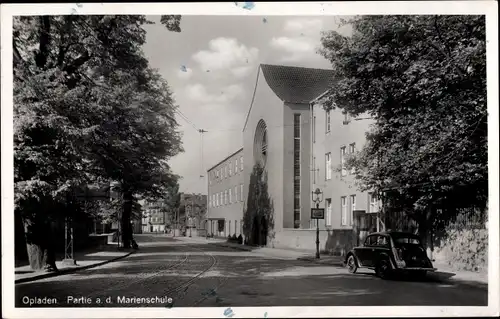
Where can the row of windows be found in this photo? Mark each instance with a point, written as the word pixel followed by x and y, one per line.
pixel 351 207
pixel 226 197
pixel 328 123
pixel 155 219
pixel 296 171
pixel 343 209
pixel 152 211
pixel 343 153
pixel 226 171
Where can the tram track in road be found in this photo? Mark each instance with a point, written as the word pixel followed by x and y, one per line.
pixel 156 272
pixel 213 291
pixel 178 290
pixel 183 288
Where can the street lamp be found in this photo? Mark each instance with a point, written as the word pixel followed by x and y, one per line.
pixel 317 197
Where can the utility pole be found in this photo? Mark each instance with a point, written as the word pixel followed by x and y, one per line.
pixel 201 131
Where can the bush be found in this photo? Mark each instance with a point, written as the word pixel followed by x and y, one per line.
pixel 240 239
pixel 232 239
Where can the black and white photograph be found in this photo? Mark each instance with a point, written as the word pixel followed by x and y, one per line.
pixel 250 159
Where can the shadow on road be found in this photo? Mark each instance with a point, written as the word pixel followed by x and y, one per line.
pixel 243 278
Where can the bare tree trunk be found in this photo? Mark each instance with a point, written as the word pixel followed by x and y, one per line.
pixel 125 220
pixel 39 245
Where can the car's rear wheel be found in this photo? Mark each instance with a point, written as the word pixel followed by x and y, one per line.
pixel 383 269
pixel 351 264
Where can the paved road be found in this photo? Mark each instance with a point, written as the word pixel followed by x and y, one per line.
pixel 198 274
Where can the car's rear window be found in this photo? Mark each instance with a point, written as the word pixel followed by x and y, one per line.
pixel 407 240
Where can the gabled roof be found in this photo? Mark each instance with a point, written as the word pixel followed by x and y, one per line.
pixel 296 84
pixel 293 84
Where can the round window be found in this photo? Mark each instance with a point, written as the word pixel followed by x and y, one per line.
pixel 260 144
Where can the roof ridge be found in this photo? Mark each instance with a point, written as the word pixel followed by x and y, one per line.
pixel 293 66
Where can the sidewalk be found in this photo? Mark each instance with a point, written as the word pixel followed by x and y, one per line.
pixel 446 273
pixel 198 239
pixel 284 253
pixel 84 260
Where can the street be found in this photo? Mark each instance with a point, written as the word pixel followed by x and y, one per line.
pixel 166 272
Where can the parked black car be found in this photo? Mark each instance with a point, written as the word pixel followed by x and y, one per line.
pixel 390 252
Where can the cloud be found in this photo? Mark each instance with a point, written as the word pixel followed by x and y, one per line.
pixel 199 93
pixel 295 49
pixel 301 40
pixel 227 55
pixel 184 73
pixel 242 71
pixel 303 25
pixel 293 45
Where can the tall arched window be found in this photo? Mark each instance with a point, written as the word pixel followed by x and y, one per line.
pixel 260 144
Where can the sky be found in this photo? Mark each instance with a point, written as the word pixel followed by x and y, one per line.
pixel 211 68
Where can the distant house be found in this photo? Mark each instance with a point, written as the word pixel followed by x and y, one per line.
pixel 154 217
pixel 193 208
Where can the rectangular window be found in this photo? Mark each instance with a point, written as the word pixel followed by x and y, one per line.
pixel 352 150
pixel 328 121
pixel 314 170
pixel 296 169
pixel 374 204
pixel 241 192
pixel 230 168
pixel 328 217
pixel 225 197
pixel 342 160
pixel 235 193
pixel 353 207
pixel 314 129
pixel 241 163
pixel 347 118
pixel 210 203
pixel 236 166
pixel 230 196
pixel 328 166
pixel 225 171
pixel 343 203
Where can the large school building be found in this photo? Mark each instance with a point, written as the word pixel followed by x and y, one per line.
pixel 302 147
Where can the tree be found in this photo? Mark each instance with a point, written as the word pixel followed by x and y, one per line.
pixel 87 109
pixel 258 217
pixel 423 80
pixel 172 204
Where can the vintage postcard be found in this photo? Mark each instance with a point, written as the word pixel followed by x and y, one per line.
pixel 250 159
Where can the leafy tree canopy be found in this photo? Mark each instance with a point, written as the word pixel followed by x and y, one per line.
pixel 423 80
pixel 88 109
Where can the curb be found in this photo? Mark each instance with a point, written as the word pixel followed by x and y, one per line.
pixel 242 247
pixel 69 270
